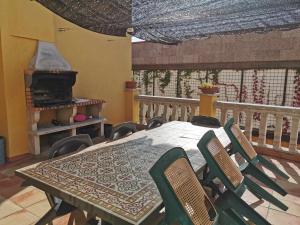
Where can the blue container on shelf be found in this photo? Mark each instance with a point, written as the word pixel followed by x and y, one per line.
pixel 2 150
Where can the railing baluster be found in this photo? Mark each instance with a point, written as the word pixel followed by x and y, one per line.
pixel 141 112
pixel 278 131
pixel 165 112
pixel 223 116
pixel 182 114
pixel 248 124
pixel 294 134
pixel 193 111
pixel 149 111
pixel 174 110
pixel 236 114
pixel 156 109
pixel 262 129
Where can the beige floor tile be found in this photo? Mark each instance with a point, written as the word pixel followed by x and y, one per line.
pixel 28 196
pixel 253 200
pixel 294 208
pixel 280 218
pixel 7 207
pixel 40 208
pixel 263 211
pixel 19 218
pixel 289 197
pixel 290 187
pixel 62 220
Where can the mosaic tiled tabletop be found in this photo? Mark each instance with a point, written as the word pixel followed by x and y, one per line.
pixel 112 178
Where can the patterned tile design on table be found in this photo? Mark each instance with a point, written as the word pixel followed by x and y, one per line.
pixel 115 177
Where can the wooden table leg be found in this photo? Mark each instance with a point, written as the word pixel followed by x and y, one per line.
pixel 78 216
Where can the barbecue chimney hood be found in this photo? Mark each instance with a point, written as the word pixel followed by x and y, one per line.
pixel 47 58
pixel 50 77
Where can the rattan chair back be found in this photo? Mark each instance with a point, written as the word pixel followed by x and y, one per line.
pixel 244 142
pixel 224 161
pixel 190 193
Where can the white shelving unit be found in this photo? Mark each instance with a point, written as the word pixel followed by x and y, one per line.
pixel 64 114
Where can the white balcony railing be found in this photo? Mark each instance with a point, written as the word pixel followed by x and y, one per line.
pixel 168 107
pixel 183 109
pixel 279 113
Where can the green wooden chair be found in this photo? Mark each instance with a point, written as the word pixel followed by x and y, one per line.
pixel 186 202
pixel 241 145
pixel 222 166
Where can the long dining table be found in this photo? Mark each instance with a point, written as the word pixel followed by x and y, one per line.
pixel 111 179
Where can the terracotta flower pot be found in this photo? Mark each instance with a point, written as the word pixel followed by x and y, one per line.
pixel 210 91
pixel 131 84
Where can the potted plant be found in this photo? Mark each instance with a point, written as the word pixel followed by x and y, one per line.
pixel 131 84
pixel 208 88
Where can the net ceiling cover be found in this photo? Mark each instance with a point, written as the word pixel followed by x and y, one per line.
pixel 172 21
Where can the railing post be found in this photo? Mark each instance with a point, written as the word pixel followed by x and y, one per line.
pixel 132 105
pixel 207 105
pixel 278 131
pixel 165 112
pixel 236 115
pixel 141 113
pixel 262 129
pixel 174 112
pixel 294 134
pixel 223 115
pixel 249 124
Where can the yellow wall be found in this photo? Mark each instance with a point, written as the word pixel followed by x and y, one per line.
pixel 3 117
pixel 103 64
pixel 22 24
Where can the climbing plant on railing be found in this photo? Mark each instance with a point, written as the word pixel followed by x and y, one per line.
pixel 147 80
pixel 178 89
pixel 244 93
pixel 186 74
pixel 257 92
pixel 164 77
pixel 136 77
pixel 213 76
pixel 296 82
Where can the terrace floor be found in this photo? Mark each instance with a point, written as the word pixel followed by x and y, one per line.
pixel 25 205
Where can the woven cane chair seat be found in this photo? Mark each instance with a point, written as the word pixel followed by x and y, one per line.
pixel 244 142
pixel 224 161
pixel 190 193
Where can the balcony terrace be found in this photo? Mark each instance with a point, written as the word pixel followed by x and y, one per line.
pixel 89 131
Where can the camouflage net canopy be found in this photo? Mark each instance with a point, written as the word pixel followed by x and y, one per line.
pixel 173 21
